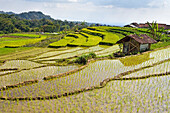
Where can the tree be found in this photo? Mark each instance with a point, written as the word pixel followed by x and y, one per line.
pixel 48 28
pixel 156 32
pixel 153 28
pixel 161 33
pixel 57 28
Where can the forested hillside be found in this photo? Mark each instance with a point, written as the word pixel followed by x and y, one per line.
pixel 34 22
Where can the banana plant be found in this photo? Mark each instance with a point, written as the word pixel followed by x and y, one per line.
pixel 156 32
pixel 153 28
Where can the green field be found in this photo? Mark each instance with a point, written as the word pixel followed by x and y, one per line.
pixel 4 51
pixel 104 84
pixel 25 35
pixel 19 42
pixel 62 43
pixel 87 38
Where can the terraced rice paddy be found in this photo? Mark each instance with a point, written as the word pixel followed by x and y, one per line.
pixel 31 74
pixel 73 54
pixel 25 54
pixel 18 42
pixel 137 83
pixel 19 64
pixel 87 38
pixel 148 95
pixel 55 53
pixel 82 79
pixel 108 51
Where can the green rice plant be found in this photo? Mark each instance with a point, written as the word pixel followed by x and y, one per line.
pixel 2 34
pixel 91 40
pixel 84 34
pixel 161 68
pixel 19 64
pixel 5 51
pixel 73 54
pixel 17 54
pixel 56 53
pixel 21 42
pixel 38 74
pixel 160 44
pixel 10 39
pixel 99 28
pixel 25 35
pixel 78 41
pixel 107 51
pixel 129 61
pixel 95 33
pixel 63 42
pixel 109 39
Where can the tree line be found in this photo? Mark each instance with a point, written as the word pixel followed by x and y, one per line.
pixel 13 24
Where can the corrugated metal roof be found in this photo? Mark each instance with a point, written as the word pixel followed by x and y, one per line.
pixel 143 39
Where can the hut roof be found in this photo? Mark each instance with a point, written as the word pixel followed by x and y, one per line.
pixel 143 39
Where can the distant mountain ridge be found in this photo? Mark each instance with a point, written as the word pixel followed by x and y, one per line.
pixel 31 15
pixel 9 13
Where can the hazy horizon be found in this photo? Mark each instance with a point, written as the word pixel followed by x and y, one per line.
pixel 111 12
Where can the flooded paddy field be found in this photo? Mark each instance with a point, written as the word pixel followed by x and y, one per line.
pixel 147 95
pixel 141 95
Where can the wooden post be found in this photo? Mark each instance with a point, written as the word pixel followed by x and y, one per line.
pixel 149 46
pixel 138 47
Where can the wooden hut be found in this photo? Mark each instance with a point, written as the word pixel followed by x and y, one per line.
pixel 136 43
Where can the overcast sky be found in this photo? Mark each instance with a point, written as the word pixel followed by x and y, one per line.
pixel 114 12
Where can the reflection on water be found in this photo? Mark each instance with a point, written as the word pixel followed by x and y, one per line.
pixel 135 60
pixel 145 96
pixel 38 74
pixel 20 64
pixel 143 59
pixel 90 76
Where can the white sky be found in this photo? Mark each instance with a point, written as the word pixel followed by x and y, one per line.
pixel 115 12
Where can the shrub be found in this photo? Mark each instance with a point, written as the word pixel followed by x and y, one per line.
pixel 84 58
pixel 1 32
pixel 92 55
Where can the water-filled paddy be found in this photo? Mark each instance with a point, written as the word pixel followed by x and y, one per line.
pixel 19 64
pixel 146 95
pixel 5 72
pixel 143 96
pixel 87 77
pixel 74 54
pixel 38 73
pixel 107 51
pixel 53 53
pixel 161 68
pixel 25 54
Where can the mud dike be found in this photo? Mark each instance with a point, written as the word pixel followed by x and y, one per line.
pixel 102 84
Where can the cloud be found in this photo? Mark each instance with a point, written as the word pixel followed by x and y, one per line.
pixel 99 11
pixel 73 0
pixel 117 3
pixel 122 3
pixel 56 1
pixel 159 3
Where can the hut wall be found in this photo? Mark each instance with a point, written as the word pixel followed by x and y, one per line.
pixel 137 48
pixel 144 47
pixel 125 47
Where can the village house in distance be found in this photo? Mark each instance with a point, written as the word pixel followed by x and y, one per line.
pixel 136 43
pixel 145 25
